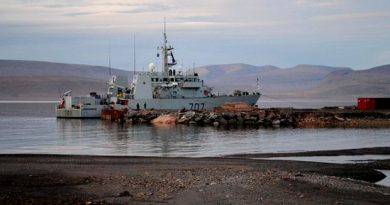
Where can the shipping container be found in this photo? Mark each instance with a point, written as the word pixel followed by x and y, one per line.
pixel 383 104
pixel 373 103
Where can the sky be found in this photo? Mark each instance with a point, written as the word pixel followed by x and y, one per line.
pixel 283 33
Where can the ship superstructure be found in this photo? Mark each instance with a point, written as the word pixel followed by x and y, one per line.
pixel 170 88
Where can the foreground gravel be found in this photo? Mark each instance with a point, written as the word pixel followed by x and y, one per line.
pixel 56 179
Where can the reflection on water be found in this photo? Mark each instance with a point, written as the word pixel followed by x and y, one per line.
pixel 114 138
pixel 106 138
pixel 95 137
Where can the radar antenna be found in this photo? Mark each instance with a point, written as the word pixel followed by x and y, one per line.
pixel 166 51
pixel 134 59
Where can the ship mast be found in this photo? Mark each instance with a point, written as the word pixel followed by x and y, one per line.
pixel 165 52
pixel 109 59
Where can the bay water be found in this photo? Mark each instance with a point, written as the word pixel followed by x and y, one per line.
pixel 32 128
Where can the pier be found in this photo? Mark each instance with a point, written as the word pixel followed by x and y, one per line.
pixel 239 115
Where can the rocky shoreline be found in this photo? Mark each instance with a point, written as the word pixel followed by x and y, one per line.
pixel 67 179
pixel 256 118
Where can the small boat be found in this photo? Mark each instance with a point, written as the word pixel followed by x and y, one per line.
pixel 80 107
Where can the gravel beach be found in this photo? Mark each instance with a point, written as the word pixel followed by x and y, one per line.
pixel 60 179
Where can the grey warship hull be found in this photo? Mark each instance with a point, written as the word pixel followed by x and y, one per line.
pixel 94 111
pixel 203 103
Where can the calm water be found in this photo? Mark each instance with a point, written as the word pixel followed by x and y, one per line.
pixel 341 159
pixel 32 128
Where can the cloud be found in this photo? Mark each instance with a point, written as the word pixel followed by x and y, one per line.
pixel 251 17
pixel 137 9
pixel 240 24
pixel 81 13
pixel 352 16
pixel 319 3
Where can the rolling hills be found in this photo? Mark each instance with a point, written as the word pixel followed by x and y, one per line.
pixel 272 79
pixel 34 80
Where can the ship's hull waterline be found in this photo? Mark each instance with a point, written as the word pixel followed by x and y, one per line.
pixel 190 103
pixel 84 112
pixel 160 104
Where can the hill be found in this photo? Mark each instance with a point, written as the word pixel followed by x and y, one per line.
pixel 374 82
pixel 47 87
pixel 226 78
pixel 41 68
pixel 34 80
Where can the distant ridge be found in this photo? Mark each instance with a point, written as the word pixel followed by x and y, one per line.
pixel 384 68
pixel 42 68
pixel 272 78
pixel 37 80
pixel 374 82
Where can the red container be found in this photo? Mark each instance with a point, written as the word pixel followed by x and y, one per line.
pixel 373 103
pixel 362 104
pixel 366 103
pixel 382 104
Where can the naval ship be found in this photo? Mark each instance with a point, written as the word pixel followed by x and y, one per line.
pixel 168 89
